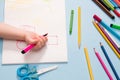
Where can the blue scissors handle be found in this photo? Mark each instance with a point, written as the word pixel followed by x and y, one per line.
pixel 31 77
pixel 22 71
pixel 25 71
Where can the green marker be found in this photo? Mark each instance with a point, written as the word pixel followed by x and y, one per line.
pixel 71 21
pixel 108 4
pixel 115 26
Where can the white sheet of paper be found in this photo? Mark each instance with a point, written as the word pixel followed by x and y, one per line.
pixel 40 16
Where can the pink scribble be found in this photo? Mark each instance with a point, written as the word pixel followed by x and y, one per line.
pixel 18 43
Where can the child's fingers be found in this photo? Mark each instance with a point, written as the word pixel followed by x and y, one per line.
pixel 43 40
pixel 40 43
pixel 33 41
pixel 37 46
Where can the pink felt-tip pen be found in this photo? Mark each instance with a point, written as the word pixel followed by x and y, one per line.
pixel 103 65
pixel 29 47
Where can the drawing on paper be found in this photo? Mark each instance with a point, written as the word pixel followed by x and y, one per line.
pixel 40 16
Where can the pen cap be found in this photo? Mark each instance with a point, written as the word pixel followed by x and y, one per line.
pixel 97 18
pixel 45 34
pixel 117 13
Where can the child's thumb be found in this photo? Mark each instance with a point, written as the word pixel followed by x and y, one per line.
pixel 34 41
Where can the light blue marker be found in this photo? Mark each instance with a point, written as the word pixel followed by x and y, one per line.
pixel 110 30
pixel 106 27
pixel 114 4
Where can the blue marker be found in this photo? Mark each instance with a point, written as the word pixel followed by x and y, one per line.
pixel 106 27
pixel 114 4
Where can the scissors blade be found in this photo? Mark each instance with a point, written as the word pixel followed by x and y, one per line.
pixel 44 70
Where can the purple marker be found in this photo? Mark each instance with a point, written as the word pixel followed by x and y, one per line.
pixel 109 38
pixel 29 47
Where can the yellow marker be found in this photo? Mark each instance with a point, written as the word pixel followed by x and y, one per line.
pixel 95 24
pixel 79 26
pixel 88 63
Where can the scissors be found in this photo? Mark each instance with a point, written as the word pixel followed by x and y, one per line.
pixel 27 73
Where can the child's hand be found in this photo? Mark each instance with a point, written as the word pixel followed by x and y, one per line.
pixel 33 38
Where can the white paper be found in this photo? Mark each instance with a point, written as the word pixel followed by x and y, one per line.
pixel 40 16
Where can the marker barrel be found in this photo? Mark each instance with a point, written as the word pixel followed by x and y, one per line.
pixel 104 9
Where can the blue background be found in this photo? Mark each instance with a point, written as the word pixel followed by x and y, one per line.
pixel 76 68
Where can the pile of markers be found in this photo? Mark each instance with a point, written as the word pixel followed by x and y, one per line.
pixel 106 31
pixel 109 6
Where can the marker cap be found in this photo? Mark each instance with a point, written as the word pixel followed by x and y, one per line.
pixel 97 18
pixel 117 13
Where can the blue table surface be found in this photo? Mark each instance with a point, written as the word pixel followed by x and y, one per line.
pixel 76 67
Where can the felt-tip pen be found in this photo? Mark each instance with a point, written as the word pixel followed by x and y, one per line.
pixel 29 47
